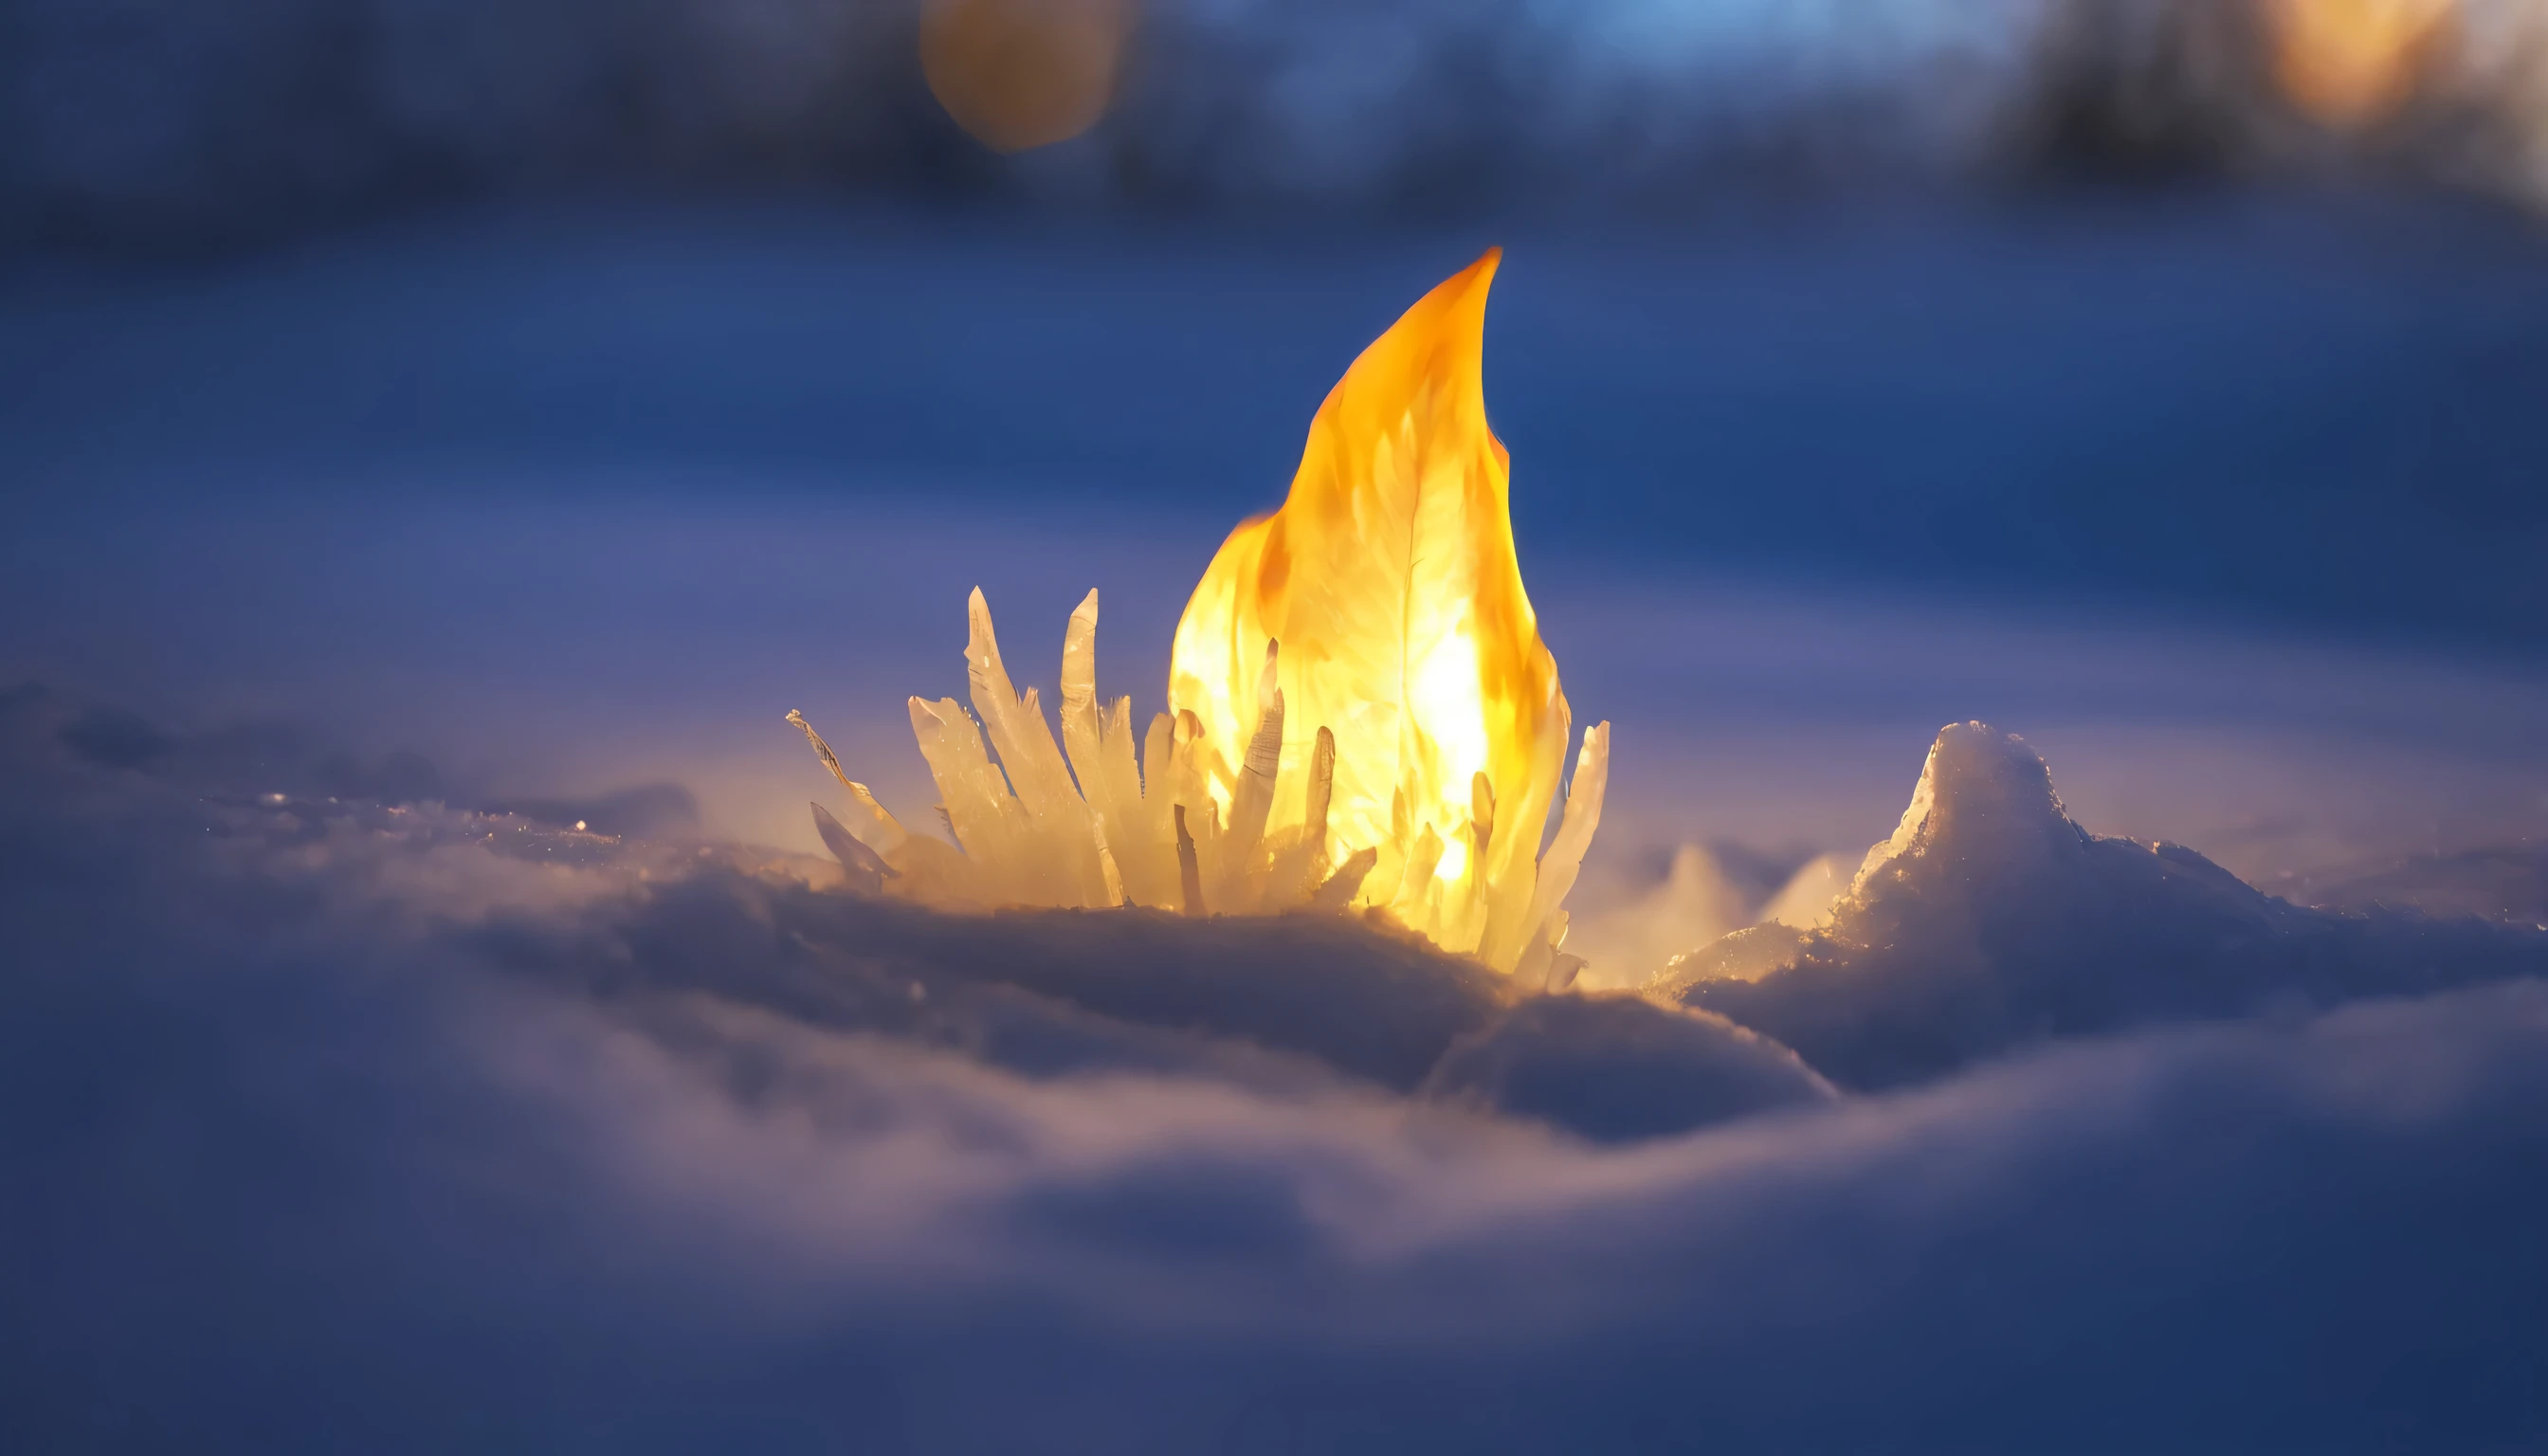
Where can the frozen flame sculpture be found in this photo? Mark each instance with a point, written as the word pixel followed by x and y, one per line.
pixel 1361 711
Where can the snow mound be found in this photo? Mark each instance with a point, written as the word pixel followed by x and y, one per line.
pixel 1618 1068
pixel 1991 919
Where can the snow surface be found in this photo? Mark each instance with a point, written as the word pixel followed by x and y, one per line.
pixel 1990 921
pixel 345 1126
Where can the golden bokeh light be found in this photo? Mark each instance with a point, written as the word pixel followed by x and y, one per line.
pixel 1023 73
pixel 2349 63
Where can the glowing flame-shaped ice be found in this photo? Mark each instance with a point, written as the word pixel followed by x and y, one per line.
pixel 1361 709
pixel 1390 580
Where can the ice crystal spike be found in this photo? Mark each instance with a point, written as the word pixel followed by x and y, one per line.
pixel 976 801
pixel 1338 889
pixel 1565 858
pixel 1100 745
pixel 1105 827
pixel 870 825
pixel 1563 968
pixel 1417 882
pixel 822 750
pixel 1255 792
pixel 1189 868
pixel 1140 848
pixel 1322 785
pixel 867 870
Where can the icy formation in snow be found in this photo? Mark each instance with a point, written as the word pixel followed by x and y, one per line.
pixel 1991 920
pixel 1401 756
pixel 1090 823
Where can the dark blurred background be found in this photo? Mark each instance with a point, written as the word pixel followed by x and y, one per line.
pixel 2233 302
pixel 639 357
pixel 144 123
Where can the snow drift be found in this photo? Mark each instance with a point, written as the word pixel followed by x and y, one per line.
pixel 1990 921
pixel 404 1128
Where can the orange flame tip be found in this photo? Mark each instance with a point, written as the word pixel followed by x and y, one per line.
pixel 1389 577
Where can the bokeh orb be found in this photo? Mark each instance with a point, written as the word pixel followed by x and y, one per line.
pixel 1020 74
pixel 2349 63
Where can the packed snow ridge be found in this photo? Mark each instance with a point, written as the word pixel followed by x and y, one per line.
pixel 1991 920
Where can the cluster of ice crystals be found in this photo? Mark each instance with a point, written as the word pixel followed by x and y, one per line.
pixel 1089 822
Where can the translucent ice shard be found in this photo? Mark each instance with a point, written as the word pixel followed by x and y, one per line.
pixel 1256 792
pixel 1322 787
pixel 1055 820
pixel 866 870
pixel 1338 889
pixel 1565 858
pixel 1189 867
pixel 1099 739
pixel 869 824
pixel 985 820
